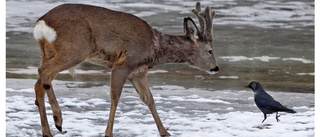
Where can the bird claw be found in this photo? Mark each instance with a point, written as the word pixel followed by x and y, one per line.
pixel 263 120
pixel 277 117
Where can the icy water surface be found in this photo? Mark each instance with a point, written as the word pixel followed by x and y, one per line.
pixel 267 41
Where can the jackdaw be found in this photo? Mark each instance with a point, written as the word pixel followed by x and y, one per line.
pixel 265 102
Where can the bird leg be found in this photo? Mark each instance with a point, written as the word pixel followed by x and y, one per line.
pixel 265 117
pixel 277 117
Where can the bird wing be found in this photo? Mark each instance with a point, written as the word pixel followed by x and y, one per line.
pixel 264 100
pixel 268 105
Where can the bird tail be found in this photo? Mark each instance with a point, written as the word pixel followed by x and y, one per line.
pixel 284 109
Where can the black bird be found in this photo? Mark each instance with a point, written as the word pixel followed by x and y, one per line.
pixel 265 102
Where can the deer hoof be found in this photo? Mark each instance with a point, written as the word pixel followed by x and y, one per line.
pixel 59 128
pixel 166 135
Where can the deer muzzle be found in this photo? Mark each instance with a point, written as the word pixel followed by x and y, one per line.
pixel 216 69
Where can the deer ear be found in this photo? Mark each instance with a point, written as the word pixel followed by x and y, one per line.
pixel 191 29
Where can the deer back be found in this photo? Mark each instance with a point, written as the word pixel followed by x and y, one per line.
pixel 114 37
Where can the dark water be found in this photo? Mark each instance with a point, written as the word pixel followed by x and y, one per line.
pixel 235 35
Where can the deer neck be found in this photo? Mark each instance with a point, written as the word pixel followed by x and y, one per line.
pixel 171 49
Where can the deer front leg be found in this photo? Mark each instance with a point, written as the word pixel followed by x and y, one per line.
pixel 141 85
pixel 118 78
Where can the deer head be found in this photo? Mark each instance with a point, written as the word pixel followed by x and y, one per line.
pixel 203 57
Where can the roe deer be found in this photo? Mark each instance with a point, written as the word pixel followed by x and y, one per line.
pixel 71 34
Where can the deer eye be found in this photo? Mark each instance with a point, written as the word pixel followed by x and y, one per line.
pixel 210 51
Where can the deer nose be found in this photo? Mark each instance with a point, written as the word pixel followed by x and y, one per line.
pixel 216 69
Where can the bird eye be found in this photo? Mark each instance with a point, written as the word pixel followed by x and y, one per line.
pixel 210 51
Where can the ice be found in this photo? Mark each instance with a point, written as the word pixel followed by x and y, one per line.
pixel 231 77
pixel 158 7
pixel 145 13
pixel 244 58
pixel 301 74
pixel 269 14
pixel 28 70
pixel 22 15
pixel 298 59
pixel 34 70
pixel 157 71
pixel 266 58
pixel 263 59
pixel 169 87
pixel 235 58
pixel 28 90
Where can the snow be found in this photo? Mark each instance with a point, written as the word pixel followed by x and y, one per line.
pixel 184 112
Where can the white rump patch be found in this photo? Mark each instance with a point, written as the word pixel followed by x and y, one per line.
pixel 41 30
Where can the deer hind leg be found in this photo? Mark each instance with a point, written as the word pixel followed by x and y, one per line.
pixel 39 90
pixel 119 75
pixel 43 86
pixel 54 61
pixel 141 85
pixel 47 71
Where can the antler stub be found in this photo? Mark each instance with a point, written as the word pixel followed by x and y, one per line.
pixel 205 20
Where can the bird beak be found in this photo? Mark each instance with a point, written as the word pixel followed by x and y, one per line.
pixel 247 86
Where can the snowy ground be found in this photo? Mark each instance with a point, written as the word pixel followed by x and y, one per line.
pixel 184 112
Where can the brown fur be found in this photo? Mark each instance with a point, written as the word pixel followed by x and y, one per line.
pixel 117 40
